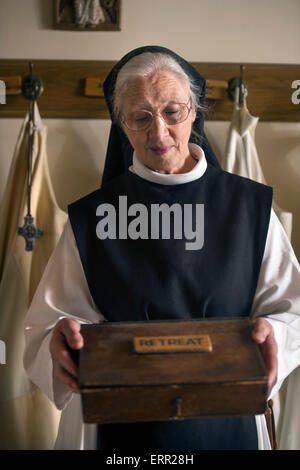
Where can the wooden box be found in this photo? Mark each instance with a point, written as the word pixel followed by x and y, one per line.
pixel 170 370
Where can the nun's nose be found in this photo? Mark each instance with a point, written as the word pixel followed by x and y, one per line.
pixel 158 128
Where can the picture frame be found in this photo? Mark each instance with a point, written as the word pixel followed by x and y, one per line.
pixel 87 15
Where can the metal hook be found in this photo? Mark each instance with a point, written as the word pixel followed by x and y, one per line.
pixel 238 82
pixel 32 85
pixel 243 89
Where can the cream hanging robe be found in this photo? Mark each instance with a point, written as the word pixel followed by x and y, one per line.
pixel 28 419
pixel 241 157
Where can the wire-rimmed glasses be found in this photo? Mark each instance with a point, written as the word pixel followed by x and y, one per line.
pixel 173 113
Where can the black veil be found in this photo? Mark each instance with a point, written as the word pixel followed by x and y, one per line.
pixel 119 151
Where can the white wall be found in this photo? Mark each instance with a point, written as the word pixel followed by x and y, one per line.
pixel 261 31
pixel 201 30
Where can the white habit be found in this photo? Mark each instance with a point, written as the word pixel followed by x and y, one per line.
pixel 63 292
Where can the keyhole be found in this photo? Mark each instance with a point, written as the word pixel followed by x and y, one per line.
pixel 178 403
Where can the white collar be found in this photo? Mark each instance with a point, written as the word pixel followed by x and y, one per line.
pixel 199 169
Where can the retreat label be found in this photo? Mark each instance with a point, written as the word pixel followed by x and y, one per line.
pixel 172 344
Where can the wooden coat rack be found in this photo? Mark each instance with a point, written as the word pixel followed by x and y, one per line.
pixel 73 89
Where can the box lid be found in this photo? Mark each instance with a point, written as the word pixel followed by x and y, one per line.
pixel 109 357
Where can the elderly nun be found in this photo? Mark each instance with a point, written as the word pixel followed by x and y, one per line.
pixel 114 261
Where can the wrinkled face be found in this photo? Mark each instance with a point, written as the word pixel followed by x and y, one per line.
pixel 161 147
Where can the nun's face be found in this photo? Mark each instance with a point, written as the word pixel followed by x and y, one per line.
pixel 161 147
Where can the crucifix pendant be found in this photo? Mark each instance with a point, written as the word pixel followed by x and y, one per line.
pixel 29 232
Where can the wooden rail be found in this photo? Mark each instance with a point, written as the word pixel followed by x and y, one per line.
pixel 67 84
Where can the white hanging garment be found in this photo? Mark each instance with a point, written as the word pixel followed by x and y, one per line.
pixel 241 157
pixel 28 419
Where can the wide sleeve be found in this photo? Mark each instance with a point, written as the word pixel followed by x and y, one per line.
pixel 62 292
pixel 278 298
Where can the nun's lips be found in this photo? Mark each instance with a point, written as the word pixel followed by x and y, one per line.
pixel 161 150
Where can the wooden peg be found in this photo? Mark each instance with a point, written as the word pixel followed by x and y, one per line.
pixel 12 85
pixel 216 89
pixel 94 87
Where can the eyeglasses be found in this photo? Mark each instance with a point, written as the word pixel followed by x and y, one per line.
pixel 173 113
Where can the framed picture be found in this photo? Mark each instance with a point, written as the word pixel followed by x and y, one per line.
pixel 87 15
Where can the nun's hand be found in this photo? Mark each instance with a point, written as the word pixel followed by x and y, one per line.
pixel 263 334
pixel 66 337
